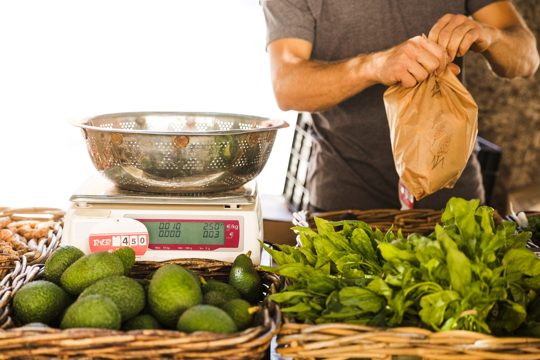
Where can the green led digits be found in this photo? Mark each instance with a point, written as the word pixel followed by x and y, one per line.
pixel 185 232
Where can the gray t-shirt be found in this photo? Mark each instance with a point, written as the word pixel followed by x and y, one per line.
pixel 352 164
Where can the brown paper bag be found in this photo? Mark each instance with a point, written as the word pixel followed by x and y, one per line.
pixel 433 128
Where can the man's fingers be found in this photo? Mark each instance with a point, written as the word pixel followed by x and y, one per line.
pixel 449 31
pixel 417 71
pixel 413 61
pixel 439 25
pixel 434 57
pixel 434 48
pixel 458 36
pixel 445 34
pixel 468 40
pixel 429 62
pixel 407 80
pixel 454 68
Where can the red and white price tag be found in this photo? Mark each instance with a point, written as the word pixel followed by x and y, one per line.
pixel 115 233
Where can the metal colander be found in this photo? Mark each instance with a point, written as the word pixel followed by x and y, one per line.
pixel 179 152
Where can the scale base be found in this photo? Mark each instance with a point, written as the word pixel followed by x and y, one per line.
pixel 85 218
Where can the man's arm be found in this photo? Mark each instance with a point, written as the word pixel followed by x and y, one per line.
pixel 303 84
pixel 497 31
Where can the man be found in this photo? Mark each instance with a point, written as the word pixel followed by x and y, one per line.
pixel 335 59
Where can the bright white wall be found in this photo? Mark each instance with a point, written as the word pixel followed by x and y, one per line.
pixel 62 60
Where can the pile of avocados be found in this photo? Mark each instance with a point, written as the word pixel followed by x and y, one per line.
pixel 95 291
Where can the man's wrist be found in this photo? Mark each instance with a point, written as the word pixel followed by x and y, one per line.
pixel 366 68
pixel 491 36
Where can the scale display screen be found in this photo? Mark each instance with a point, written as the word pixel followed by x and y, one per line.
pixel 188 234
pixel 167 232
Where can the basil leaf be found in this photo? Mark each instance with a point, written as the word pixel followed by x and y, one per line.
pixel 521 261
pixel 391 253
pixel 286 296
pixel 361 298
pixel 459 266
pixel 433 306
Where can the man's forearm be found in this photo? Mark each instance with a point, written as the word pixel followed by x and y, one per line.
pixel 513 52
pixel 312 86
pixel 303 84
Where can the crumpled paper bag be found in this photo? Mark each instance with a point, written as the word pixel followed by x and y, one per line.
pixel 433 129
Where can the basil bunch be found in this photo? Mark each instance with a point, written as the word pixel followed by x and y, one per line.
pixel 468 274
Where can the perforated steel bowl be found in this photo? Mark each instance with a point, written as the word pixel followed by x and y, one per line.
pixel 179 152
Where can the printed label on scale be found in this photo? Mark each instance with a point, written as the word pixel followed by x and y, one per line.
pixel 115 233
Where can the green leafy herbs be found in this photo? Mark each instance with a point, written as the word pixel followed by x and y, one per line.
pixel 469 274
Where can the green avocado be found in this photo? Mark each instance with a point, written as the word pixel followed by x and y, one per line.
pixel 172 290
pixel 89 269
pixel 244 278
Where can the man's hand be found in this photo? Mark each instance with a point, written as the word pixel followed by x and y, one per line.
pixel 410 62
pixel 458 33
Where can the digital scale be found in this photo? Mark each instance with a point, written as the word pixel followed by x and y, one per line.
pixel 161 227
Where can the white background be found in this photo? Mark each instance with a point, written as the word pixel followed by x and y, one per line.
pixel 63 60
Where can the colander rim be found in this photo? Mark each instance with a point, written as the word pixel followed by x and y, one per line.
pixel 270 124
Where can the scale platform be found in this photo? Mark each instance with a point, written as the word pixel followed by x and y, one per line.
pixel 160 227
pixel 100 190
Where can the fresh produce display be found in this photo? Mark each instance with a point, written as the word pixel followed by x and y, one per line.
pixel 93 292
pixel 469 274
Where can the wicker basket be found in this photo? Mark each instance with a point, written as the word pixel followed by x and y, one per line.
pixel 48 343
pixel 36 232
pixel 345 341
pixel 421 221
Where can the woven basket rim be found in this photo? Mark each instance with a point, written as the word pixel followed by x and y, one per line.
pixel 33 213
pixel 333 340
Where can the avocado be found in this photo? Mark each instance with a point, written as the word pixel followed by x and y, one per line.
pixel 126 293
pixel 206 318
pixel 140 322
pixel 89 269
pixel 59 261
pixel 127 255
pixel 215 298
pixel 244 278
pixel 216 285
pixel 172 290
pixel 40 301
pixel 92 311
pixel 240 311
pixel 218 293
